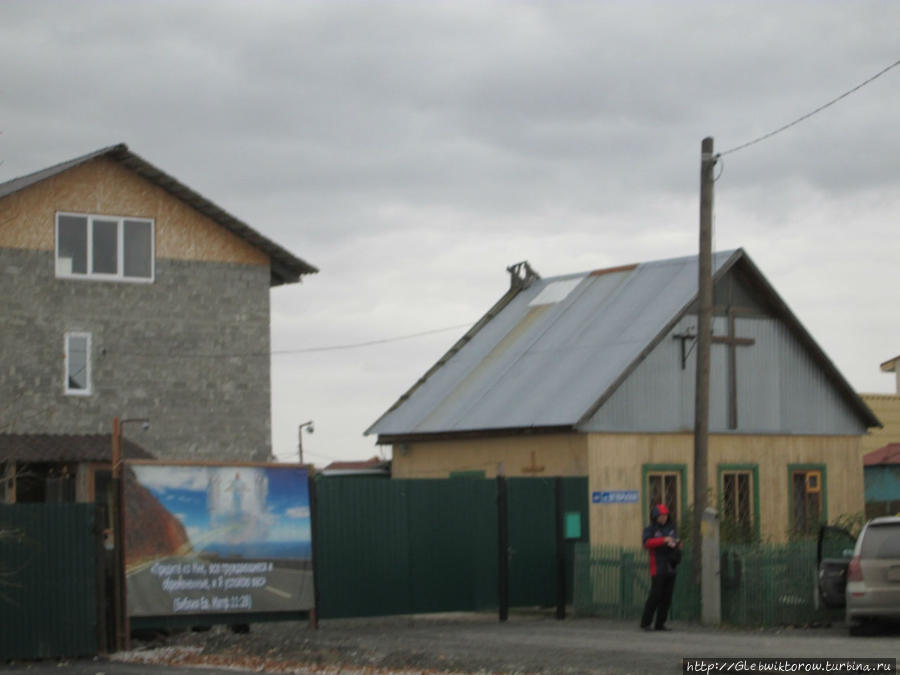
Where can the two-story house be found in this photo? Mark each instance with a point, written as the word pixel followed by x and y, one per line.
pixel 127 294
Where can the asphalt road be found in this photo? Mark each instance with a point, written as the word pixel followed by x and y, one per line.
pixel 467 643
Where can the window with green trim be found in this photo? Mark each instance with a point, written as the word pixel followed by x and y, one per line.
pixel 806 500
pixel 663 488
pixel 737 503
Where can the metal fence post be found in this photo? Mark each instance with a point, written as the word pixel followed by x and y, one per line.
pixel 626 579
pixel 502 547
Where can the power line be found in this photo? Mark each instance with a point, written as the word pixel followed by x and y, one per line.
pixel 357 345
pixel 811 113
pixel 305 350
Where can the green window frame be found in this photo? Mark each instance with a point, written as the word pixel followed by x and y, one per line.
pixel 651 470
pixel 736 470
pixel 814 490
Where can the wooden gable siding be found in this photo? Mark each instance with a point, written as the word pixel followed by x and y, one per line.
pixel 617 462
pixel 102 186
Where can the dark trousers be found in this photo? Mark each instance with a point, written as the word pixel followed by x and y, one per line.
pixel 659 600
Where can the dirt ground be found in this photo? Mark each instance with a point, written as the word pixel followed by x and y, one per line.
pixel 530 642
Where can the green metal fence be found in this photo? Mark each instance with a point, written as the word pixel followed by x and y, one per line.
pixel 405 546
pixel 762 584
pixel 48 581
pixel 772 585
pixel 613 581
pixel 418 546
pixel 533 573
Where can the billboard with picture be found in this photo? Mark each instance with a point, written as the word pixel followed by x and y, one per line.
pixel 217 539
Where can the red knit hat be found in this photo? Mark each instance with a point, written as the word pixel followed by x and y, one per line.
pixel 662 509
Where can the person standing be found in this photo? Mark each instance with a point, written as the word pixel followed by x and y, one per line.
pixel 661 540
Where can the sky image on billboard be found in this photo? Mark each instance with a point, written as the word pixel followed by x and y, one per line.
pixel 246 511
pixel 204 538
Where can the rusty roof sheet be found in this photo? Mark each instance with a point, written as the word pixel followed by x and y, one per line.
pixel 65 448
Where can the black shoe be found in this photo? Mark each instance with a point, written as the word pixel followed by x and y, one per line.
pixel 665 628
pixel 645 627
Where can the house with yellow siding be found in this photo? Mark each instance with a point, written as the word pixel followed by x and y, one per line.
pixel 881 449
pixel 887 408
pixel 593 374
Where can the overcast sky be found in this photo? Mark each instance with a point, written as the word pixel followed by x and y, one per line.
pixel 411 151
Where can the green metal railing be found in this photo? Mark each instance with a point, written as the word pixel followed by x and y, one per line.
pixel 613 582
pixel 772 585
pixel 762 584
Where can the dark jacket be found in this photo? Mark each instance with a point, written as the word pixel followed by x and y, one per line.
pixel 664 559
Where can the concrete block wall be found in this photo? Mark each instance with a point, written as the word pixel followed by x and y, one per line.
pixel 189 350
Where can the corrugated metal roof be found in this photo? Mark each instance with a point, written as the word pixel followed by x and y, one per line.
pixel 65 448
pixel 532 364
pixel 526 367
pixel 285 266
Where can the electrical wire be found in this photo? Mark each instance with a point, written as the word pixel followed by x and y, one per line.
pixel 357 345
pixel 811 113
pixel 304 350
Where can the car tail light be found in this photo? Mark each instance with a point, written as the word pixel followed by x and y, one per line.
pixel 854 570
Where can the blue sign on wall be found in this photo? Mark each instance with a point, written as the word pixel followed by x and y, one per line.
pixel 615 497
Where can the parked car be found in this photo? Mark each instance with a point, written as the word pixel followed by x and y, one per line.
pixel 864 579
pixel 873 575
pixel 838 544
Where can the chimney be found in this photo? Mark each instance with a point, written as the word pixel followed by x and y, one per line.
pixel 521 275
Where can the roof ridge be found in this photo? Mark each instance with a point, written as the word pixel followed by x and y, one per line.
pixel 726 253
pixel 56 168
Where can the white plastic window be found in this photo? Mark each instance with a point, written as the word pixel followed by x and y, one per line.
pixel 104 247
pixel 78 364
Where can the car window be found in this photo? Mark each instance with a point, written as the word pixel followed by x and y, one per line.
pixel 881 541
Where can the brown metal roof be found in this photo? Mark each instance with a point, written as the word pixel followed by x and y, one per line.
pixel 285 267
pixel 889 454
pixel 375 465
pixel 65 448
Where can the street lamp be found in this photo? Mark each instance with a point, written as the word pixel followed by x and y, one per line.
pixel 121 606
pixel 311 429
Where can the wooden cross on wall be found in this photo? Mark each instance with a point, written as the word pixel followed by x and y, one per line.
pixel 732 341
pixel 534 468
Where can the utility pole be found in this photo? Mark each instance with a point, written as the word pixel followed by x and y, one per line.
pixel 704 340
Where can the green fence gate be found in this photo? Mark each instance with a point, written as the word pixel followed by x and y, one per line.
pixel 48 581
pixel 388 546
pixel 533 520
